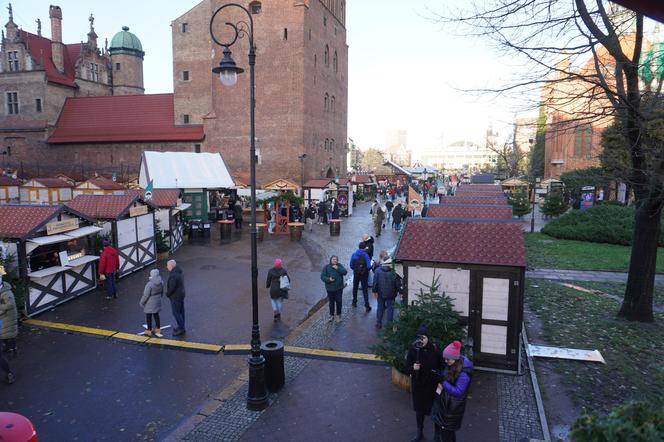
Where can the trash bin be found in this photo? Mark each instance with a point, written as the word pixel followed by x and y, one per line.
pixel 335 227
pixel 295 231
pixel 206 227
pixel 273 352
pixel 225 230
pixel 195 228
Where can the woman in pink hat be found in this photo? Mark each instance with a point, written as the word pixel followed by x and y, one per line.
pixel 278 282
pixel 451 394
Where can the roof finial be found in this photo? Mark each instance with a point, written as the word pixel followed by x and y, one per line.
pixel 106 44
pixel 11 12
pixel 91 19
pixel 38 21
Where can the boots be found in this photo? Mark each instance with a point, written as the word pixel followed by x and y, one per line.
pixel 277 316
pixel 157 332
pixel 419 436
pixel 148 333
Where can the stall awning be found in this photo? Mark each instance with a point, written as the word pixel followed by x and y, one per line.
pixel 181 208
pixel 83 231
pixel 33 243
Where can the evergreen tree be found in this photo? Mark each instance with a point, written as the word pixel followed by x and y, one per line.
pixel 520 203
pixel 554 205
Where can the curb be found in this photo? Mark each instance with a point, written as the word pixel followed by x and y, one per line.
pixel 533 378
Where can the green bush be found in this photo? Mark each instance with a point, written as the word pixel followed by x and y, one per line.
pixel 433 309
pixel 631 422
pixel 554 205
pixel 605 223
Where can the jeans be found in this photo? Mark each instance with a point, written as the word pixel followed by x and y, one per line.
pixel 364 279
pixel 177 306
pixel 148 320
pixel 277 304
pixel 382 305
pixel 111 290
pixel 334 299
pixel 397 226
pixel 310 223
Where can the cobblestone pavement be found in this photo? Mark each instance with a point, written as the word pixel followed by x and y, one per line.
pixel 583 275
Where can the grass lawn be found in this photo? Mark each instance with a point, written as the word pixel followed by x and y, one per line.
pixel 633 351
pixel 618 289
pixel 543 251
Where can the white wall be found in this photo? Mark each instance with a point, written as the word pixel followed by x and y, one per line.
pixel 454 283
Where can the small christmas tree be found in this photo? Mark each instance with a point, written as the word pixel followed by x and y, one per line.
pixel 554 205
pixel 520 204
pixel 162 244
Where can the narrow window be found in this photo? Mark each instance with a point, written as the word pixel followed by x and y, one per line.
pixel 117 66
pixel 38 104
pixel 185 118
pixel 285 33
pixel 185 27
pixel 327 102
pixel 324 20
pixel 255 7
pixel 185 75
pixel 9 151
pixel 197 148
pixel 335 62
pixel 327 55
pixel 12 103
pixel 315 60
pixel 12 57
pixel 332 100
pixel 309 34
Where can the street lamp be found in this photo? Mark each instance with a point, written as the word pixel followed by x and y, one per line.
pixel 228 71
pixel 301 158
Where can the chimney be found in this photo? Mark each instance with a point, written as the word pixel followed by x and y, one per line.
pixel 57 48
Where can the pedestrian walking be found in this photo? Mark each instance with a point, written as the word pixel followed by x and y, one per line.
pixel 397 215
pixel 333 277
pixel 310 216
pixel 424 363
pixel 109 264
pixel 378 217
pixel 272 219
pixel 237 214
pixel 389 205
pixel 8 317
pixel 322 212
pixel 451 393
pixel 425 210
pixel 334 209
pixel 360 263
pixel 386 287
pixel 278 282
pixel 176 293
pixel 369 241
pixel 151 303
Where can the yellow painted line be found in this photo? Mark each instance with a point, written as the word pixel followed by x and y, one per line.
pixel 130 337
pixel 185 344
pixel 70 327
pixel 332 354
pixel 230 348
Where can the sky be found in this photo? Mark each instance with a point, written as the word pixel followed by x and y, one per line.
pixel 406 71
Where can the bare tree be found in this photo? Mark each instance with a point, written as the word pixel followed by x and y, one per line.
pixel 586 64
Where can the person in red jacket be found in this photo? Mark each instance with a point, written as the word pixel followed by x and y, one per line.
pixel 109 263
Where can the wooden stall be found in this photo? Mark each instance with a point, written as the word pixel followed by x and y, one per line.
pixel 9 189
pixel 316 189
pixel 481 211
pixel 500 200
pixel 128 221
pixel 54 251
pixel 480 264
pixel 99 186
pixel 45 191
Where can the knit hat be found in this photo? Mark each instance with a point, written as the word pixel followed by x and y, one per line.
pixel 362 245
pixel 277 263
pixel 452 351
pixel 422 330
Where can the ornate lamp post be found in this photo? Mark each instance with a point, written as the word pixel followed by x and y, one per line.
pixel 228 71
pixel 301 158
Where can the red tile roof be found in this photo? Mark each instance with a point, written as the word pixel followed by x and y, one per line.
pixel 9 181
pixel 16 222
pixel 105 184
pixel 121 118
pixel 472 193
pixel 361 179
pixel 40 48
pixel 52 182
pixel 469 211
pixel 318 183
pixel 498 243
pixel 483 187
pixel 160 197
pixel 500 200
pixel 102 206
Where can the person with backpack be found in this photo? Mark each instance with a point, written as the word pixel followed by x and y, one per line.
pixel 360 263
pixel 333 277
pixel 151 303
pixel 451 394
pixel 278 282
pixel 386 287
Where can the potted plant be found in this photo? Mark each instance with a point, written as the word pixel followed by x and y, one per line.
pixel 433 309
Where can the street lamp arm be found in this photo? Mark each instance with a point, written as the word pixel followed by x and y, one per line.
pixel 241 28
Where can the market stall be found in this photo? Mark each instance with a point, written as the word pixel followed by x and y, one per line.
pixel 128 222
pixel 363 187
pixel 45 191
pixel 9 189
pixel 342 191
pixel 486 211
pixel 53 247
pixel 500 199
pixel 315 190
pixel 99 186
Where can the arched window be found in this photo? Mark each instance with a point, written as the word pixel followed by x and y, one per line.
pixel 315 60
pixel 335 62
pixel 327 55
pixel 327 102
pixel 332 100
pixel 332 144
pixel 327 144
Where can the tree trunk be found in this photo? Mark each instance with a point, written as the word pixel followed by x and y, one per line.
pixel 637 304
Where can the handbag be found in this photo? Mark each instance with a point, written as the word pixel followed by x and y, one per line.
pixel 284 282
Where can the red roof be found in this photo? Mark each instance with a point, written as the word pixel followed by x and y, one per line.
pixel 40 48
pixel 472 193
pixel 361 179
pixel 497 243
pixel 499 200
pixel 481 187
pixel 9 181
pixel 318 183
pixel 121 118
pixel 469 211
pixel 102 206
pixel 160 197
pixel 19 221
pixel 52 182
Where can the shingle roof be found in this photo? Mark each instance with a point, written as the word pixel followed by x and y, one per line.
pixel 472 193
pixel 16 222
pixel 469 211
pixel 318 183
pixel 160 197
pixel 480 187
pixel 102 206
pixel 499 200
pixel 465 241
pixel 105 184
pixel 361 179
pixel 121 118
pixel 52 182
pixel 9 181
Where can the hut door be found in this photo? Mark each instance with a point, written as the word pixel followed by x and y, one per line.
pixel 493 311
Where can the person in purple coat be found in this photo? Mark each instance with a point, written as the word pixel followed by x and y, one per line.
pixel 451 394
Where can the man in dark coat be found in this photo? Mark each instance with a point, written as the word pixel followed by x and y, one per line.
pixel 175 292
pixel 424 362
pixel 385 289
pixel 397 214
pixel 322 212
pixel 360 263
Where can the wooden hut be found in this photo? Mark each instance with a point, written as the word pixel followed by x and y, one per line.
pixel 480 211
pixel 45 191
pixel 9 189
pixel 99 186
pixel 480 264
pixel 500 200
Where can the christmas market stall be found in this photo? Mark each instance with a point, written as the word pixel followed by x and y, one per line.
pixel 480 264
pixel 128 222
pixel 485 211
pixel 45 191
pixel 342 190
pixel 53 248
pixel 99 186
pixel 315 190
pixel 169 214
pixel 364 187
pixel 9 189
pixel 281 208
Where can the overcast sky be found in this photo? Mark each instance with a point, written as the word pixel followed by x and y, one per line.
pixel 405 70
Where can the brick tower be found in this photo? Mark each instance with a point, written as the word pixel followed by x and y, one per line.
pixel 127 63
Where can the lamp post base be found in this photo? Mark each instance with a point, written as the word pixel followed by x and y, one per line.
pixel 257 395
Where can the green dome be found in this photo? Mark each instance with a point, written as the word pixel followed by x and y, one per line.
pixel 126 40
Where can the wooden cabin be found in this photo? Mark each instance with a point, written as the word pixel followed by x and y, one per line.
pixel 51 191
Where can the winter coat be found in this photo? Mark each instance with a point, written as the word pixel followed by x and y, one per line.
pixel 360 254
pixel 389 205
pixel 338 275
pixel 370 246
pixel 109 261
pixel 397 213
pixel 424 381
pixel 152 293
pixel 450 405
pixel 386 282
pixel 175 284
pixel 311 213
pixel 335 211
pixel 273 283
pixel 8 312
pixel 237 211
pixel 378 215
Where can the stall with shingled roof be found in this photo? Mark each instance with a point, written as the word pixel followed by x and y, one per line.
pixel 315 189
pixel 364 187
pixel 45 191
pixel 9 189
pixel 499 199
pixel 53 247
pixel 487 211
pixel 480 264
pixel 129 224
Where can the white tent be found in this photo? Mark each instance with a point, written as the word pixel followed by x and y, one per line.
pixel 184 170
